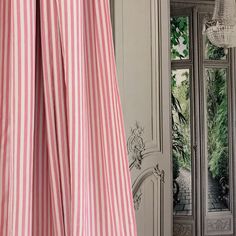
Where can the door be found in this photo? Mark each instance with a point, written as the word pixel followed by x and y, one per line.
pixel 202 126
pixel 141 35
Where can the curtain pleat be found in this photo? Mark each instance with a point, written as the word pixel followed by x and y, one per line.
pixel 63 161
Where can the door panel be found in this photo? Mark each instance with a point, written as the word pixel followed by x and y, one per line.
pixel 219 217
pixel 217 132
pixel 212 111
pixel 147 189
pixel 183 132
pixel 141 33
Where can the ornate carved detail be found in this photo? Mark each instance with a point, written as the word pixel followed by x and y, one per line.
pixel 137 199
pixel 219 225
pixel 182 230
pixel 136 146
pixel 137 186
pixel 159 173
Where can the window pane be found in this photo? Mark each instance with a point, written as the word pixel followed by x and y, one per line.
pixel 217 139
pixel 181 136
pixel 179 37
pixel 213 52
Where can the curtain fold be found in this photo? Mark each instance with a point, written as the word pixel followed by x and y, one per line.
pixel 63 161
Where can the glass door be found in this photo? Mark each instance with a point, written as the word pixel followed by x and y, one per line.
pixel 217 132
pixel 182 80
pixel 202 128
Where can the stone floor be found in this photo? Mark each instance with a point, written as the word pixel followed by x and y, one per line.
pixel 184 207
pixel 214 204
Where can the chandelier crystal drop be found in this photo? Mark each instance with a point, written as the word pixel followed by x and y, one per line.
pixel 221 29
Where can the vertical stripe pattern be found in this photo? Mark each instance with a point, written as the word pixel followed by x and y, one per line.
pixel 63 161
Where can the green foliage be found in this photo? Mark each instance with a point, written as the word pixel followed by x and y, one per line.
pixel 180 123
pixel 213 52
pixel 179 37
pixel 217 123
pixel 179 50
pixel 217 117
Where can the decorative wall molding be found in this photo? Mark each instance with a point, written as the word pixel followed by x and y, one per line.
pixel 139 69
pixel 159 173
pixel 137 186
pixel 137 199
pixel 136 146
pixel 156 76
pixel 223 225
pixel 142 61
pixel 182 230
pixel 148 194
pixel 153 171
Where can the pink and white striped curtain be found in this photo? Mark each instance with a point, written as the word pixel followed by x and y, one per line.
pixel 63 161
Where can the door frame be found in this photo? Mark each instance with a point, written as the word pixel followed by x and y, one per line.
pixel 232 93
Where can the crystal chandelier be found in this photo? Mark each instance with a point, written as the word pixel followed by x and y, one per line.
pixel 221 30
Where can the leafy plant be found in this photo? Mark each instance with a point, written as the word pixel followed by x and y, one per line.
pixel 180 135
pixel 179 37
pixel 180 123
pixel 213 52
pixel 217 113
pixel 217 123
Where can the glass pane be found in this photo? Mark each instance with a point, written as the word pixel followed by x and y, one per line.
pixel 213 52
pixel 181 136
pixel 180 37
pixel 217 139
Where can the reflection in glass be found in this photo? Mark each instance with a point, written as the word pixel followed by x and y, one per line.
pixel 217 139
pixel 180 37
pixel 181 137
pixel 212 52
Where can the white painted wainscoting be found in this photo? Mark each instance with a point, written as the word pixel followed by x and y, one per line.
pixel 141 36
